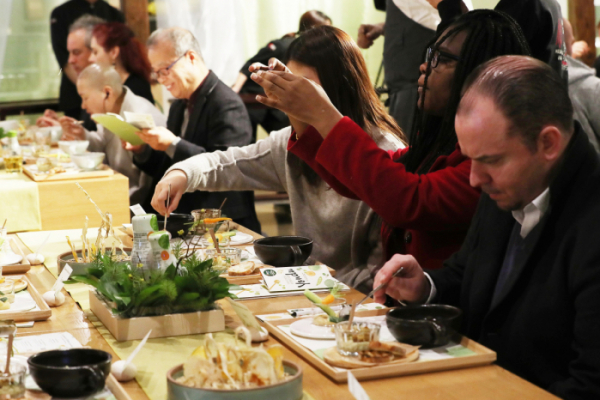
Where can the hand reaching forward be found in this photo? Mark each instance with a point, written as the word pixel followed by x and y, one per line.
pixel 299 98
pixel 72 130
pixel 178 181
pixel 412 285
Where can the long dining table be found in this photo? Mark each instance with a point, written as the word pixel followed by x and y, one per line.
pixel 485 382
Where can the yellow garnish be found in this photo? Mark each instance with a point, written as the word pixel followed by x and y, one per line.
pixel 276 351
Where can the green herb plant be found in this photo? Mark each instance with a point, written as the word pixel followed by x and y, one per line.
pixel 190 285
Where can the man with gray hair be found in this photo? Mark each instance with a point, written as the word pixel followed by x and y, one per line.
pixel 206 116
pixel 527 276
pixel 61 20
pixel 102 91
pixel 79 52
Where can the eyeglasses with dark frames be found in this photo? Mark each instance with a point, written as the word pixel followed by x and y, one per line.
pixel 164 72
pixel 434 55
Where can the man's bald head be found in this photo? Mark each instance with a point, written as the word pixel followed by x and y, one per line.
pixel 96 77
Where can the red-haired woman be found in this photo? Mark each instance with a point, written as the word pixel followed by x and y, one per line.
pixel 113 43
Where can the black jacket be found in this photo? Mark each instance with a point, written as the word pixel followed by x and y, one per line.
pixel 218 120
pixel 545 327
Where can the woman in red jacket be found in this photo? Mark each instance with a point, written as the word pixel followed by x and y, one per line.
pixel 421 193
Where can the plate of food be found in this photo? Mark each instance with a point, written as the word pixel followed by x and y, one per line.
pixel 321 326
pixel 240 238
pixel 234 370
pixel 376 353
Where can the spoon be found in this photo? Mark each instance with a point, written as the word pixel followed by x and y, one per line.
pixel 4 224
pixel 380 286
pixel 8 353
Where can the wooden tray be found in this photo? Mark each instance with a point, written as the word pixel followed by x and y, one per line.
pixel 104 171
pixel 22 250
pixel 43 313
pixel 484 356
pixel 162 326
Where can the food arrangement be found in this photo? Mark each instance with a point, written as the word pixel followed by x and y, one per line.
pixel 235 365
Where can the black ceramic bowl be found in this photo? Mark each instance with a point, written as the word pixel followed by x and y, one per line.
pixel 428 325
pixel 175 223
pixel 70 373
pixel 283 251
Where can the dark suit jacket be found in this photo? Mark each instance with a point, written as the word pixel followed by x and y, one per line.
pixel 545 327
pixel 218 120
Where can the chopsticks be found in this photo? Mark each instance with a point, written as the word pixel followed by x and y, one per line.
pixel 168 201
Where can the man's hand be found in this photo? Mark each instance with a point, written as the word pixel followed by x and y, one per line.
pixel 50 118
pixel 299 98
pixel 412 285
pixel 72 130
pixel 130 147
pixel 158 138
pixel 178 181
pixel 274 65
pixel 367 33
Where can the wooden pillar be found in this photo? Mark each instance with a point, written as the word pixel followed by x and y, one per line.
pixel 582 15
pixel 136 17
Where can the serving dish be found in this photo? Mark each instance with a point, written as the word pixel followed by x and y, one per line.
pixel 68 172
pixel 72 373
pixel 290 389
pixel 427 325
pixel 283 251
pixel 73 146
pixel 88 161
pixel 80 268
pixel 23 265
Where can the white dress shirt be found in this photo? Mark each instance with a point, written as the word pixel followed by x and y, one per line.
pixel 528 217
pixel 420 11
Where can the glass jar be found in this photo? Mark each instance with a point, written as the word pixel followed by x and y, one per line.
pixel 351 339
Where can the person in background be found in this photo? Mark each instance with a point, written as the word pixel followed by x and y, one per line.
pixel 78 46
pixel 113 43
pixel 421 193
pixel 61 18
pixel 269 118
pixel 540 20
pixel 206 116
pixel 584 87
pixel 527 277
pixel 345 232
pixel 102 92
pixel 409 26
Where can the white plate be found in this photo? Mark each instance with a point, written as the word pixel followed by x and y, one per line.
pixel 23 302
pixel 306 328
pixel 240 238
pixel 8 259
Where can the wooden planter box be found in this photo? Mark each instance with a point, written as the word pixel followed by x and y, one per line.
pixel 162 326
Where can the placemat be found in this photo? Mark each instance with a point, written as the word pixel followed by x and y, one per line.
pixel 20 200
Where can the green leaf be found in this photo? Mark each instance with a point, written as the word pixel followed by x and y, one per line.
pixel 163 241
pixel 154 223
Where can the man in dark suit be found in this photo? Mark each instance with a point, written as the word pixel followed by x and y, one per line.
pixel 207 116
pixel 528 274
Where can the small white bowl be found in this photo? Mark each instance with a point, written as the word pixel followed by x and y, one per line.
pixel 88 161
pixel 72 147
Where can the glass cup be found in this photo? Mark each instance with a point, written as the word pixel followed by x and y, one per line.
pixel 201 214
pixel 234 255
pixel 220 261
pixel 351 339
pixel 12 385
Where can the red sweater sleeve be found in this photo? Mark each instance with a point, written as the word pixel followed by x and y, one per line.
pixel 306 148
pixel 442 200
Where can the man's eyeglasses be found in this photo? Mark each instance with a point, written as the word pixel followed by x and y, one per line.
pixel 433 54
pixel 164 72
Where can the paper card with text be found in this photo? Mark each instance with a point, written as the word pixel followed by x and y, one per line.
pixel 287 279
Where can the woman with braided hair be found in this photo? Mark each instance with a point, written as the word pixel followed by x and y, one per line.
pixel 421 193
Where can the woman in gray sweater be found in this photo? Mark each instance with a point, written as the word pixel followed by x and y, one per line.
pixel 345 232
